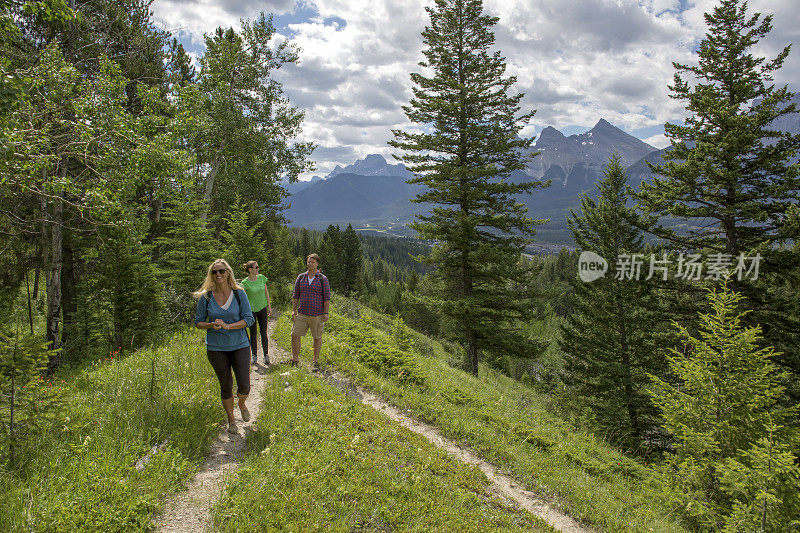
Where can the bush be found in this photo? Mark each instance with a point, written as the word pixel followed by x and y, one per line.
pixel 381 356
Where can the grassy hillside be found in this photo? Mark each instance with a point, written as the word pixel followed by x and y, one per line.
pixel 82 474
pixel 503 420
pixel 322 461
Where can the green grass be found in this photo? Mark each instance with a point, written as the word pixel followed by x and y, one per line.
pixel 80 475
pixel 508 424
pixel 321 461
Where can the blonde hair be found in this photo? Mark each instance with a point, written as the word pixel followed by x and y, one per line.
pixel 209 284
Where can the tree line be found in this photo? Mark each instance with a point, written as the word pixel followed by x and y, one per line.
pixel 125 168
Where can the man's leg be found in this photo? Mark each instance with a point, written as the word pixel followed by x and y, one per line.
pixel 317 348
pixel 295 348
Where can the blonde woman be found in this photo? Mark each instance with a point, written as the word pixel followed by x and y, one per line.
pixel 224 311
pixel 255 285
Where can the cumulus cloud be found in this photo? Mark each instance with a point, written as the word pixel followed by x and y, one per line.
pixel 576 62
pixel 659 140
pixel 193 18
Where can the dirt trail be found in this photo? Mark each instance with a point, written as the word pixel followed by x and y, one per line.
pixel 189 511
pixel 502 485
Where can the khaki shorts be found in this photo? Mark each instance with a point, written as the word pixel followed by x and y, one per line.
pixel 303 323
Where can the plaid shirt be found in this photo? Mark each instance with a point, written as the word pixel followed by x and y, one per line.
pixel 311 297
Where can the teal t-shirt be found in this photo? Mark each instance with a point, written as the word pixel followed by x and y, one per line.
pixel 255 292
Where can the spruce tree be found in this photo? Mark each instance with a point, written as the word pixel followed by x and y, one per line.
pixel 610 339
pixel 764 483
pixel 183 255
pixel 722 410
pixel 330 256
pixel 463 152
pixel 241 238
pixel 731 169
pixel 305 243
pixel 352 261
pixel 135 290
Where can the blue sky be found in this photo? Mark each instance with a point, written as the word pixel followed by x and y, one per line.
pixel 576 61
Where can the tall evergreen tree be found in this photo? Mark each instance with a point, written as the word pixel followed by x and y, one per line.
pixel 305 243
pixel 330 256
pixel 610 339
pixel 730 167
pixel 464 155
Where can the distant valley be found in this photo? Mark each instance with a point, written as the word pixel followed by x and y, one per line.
pixel 373 195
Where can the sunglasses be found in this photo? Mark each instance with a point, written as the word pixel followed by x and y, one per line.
pixel 215 271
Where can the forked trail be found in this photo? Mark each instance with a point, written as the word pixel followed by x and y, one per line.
pixel 190 509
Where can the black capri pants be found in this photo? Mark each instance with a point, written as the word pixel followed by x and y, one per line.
pixel 223 362
pixel 261 322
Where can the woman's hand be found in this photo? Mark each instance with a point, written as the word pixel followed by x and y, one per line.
pixel 219 324
pixel 269 310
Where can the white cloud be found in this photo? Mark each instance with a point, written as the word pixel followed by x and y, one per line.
pixel 659 140
pixel 576 62
pixel 193 18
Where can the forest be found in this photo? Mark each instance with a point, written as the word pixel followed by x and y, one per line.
pixel 127 169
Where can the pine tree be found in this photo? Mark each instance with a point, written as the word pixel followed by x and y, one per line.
pixel 729 167
pixel 330 256
pixel 136 292
pixel 724 403
pixel 464 155
pixel 25 405
pixel 305 243
pixel 610 339
pixel 352 261
pixel 183 255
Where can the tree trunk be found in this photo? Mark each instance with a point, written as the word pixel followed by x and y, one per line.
pixel 11 428
pixel 210 185
pixel 69 300
pixel 472 353
pixel 30 307
pixel 36 273
pixel 54 277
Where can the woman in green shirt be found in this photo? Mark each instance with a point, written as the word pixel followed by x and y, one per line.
pixel 255 285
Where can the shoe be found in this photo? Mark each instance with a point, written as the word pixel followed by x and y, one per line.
pixel 315 365
pixel 245 414
pixel 232 427
pixel 266 361
pixel 295 363
pixel 253 361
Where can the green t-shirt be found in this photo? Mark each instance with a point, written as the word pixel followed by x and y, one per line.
pixel 255 292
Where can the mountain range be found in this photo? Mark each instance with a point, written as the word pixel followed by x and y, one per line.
pixel 373 195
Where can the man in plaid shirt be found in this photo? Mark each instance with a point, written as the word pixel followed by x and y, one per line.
pixel 310 302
